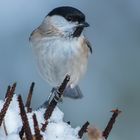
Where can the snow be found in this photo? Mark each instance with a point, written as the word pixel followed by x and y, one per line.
pixel 57 129
pixel 12 137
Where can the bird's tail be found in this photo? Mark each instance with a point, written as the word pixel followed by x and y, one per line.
pixel 74 93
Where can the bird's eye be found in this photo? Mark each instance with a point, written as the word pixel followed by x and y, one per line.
pixel 69 18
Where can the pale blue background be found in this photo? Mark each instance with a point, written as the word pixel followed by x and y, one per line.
pixel 113 78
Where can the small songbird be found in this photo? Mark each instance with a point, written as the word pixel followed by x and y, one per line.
pixel 61 48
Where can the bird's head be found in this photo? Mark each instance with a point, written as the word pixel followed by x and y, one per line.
pixel 68 20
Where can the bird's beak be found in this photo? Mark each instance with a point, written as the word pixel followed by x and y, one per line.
pixel 84 24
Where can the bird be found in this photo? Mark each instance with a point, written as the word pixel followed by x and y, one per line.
pixel 61 48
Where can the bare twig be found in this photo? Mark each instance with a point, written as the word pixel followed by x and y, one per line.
pixel 111 122
pixel 38 136
pixel 29 98
pixel 8 89
pixel 54 101
pixel 21 133
pixel 24 118
pixel 83 129
pixel 4 125
pixel 7 103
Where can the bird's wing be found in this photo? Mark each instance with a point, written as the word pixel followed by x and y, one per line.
pixel 36 34
pixel 88 45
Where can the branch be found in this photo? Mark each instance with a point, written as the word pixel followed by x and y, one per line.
pixel 54 101
pixel 111 122
pixel 83 130
pixel 21 133
pixel 38 136
pixel 29 98
pixel 24 118
pixel 7 102
pixel 8 90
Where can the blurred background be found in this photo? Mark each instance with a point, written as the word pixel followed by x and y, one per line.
pixel 113 76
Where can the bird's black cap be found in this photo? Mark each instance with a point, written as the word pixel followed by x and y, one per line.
pixel 69 13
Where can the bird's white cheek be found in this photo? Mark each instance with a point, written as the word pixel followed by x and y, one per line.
pixel 62 24
pixel 58 21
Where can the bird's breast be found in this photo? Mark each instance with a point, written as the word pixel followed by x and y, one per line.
pixel 58 57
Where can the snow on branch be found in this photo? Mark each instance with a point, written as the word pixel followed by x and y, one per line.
pixel 19 122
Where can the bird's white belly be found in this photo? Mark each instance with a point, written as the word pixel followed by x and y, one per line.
pixel 60 57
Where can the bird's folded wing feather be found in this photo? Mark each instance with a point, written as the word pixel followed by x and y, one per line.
pixel 88 45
